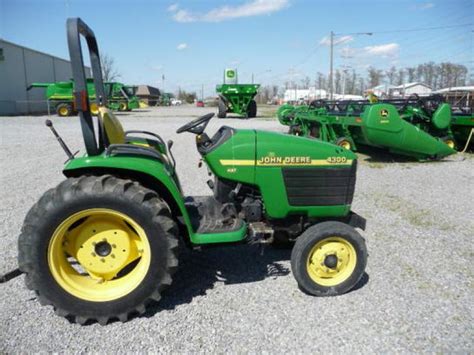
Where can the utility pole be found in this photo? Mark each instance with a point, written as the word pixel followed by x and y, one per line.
pixel 252 78
pixel 163 82
pixel 331 60
pixel 331 63
pixel 202 92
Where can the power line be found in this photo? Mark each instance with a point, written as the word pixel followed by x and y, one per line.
pixel 423 29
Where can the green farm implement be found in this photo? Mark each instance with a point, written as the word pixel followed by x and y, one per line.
pixel 462 126
pixel 236 98
pixel 418 128
pixel 103 244
pixel 60 96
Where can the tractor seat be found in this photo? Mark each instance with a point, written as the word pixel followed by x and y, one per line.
pixel 116 139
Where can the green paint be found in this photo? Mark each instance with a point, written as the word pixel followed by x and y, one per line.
pixel 380 125
pixel 62 92
pixel 237 96
pixel 163 174
pixel 251 145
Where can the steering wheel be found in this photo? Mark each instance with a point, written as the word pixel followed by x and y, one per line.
pixel 196 126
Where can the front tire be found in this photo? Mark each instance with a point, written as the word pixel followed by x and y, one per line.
pixel 329 259
pixel 252 109
pixel 64 110
pixel 222 109
pixel 98 248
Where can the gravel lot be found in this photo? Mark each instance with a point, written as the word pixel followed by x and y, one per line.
pixel 417 295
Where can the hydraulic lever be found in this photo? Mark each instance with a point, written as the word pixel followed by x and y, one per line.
pixel 60 140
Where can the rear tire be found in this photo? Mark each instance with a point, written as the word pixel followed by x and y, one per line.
pixel 345 143
pixel 64 110
pixel 80 295
pixel 222 109
pixel 252 109
pixel 328 259
pixel 449 141
pixel 123 106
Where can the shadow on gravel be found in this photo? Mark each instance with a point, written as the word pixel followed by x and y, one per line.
pixel 362 282
pixel 374 155
pixel 199 271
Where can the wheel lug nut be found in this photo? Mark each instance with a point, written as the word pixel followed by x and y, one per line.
pixel 114 246
pixel 112 256
pixel 93 254
pixel 103 260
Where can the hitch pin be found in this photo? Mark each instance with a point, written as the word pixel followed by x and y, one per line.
pixel 60 140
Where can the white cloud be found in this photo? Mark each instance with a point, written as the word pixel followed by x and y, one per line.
pixel 223 13
pixel 424 6
pixel 384 50
pixel 234 62
pixel 173 7
pixel 156 67
pixel 182 46
pixel 326 41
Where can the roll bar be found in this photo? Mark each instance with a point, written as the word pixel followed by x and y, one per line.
pixel 75 28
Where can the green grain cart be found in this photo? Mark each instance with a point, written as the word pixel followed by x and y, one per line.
pixel 60 96
pixel 236 98
pixel 417 128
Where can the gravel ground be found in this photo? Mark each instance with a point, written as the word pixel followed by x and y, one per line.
pixel 417 295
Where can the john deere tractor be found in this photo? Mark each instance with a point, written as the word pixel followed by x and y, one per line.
pixel 103 244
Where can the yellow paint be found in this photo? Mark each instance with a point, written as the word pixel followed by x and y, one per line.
pixel 112 126
pixel 63 111
pixel 99 281
pixel 345 144
pixel 450 143
pixel 284 162
pixel 347 260
pixel 94 109
pixel 237 162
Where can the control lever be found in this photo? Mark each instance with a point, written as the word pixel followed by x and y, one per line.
pixel 60 140
pixel 169 145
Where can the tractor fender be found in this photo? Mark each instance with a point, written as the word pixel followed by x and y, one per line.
pixel 150 173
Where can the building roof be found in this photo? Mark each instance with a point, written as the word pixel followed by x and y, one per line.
pixel 146 90
pixel 383 87
pixel 456 88
pixel 35 50
pixel 409 85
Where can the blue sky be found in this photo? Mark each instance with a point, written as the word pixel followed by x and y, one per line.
pixel 191 42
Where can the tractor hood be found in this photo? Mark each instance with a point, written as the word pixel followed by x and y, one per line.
pixel 293 173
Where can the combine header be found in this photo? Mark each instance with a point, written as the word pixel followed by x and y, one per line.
pixel 420 128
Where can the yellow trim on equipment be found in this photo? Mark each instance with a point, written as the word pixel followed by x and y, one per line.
pixel 112 126
pixel 89 273
pixel 313 162
pixel 346 256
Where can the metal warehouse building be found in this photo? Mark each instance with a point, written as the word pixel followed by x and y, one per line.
pixel 21 66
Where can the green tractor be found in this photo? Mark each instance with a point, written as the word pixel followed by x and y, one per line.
pixel 236 98
pixel 60 95
pixel 103 244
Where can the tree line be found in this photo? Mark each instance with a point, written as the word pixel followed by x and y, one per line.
pixel 350 82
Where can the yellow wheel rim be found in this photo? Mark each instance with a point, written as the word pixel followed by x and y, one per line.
pixel 122 106
pixel 94 109
pixel 345 145
pixel 450 143
pixel 331 261
pixel 99 254
pixel 63 111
